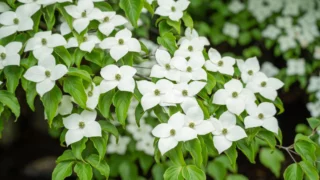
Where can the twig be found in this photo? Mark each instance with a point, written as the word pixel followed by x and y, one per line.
pixel 289 151
pixel 142 76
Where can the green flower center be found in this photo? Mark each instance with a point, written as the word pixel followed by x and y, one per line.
pixel 260 116
pixel 189 69
pixel 43 41
pixel 118 77
pixel 191 125
pixel 106 19
pixel 3 56
pixel 84 14
pixel 157 92
pixel 234 94
pixel 190 48
pixel 224 131
pixel 263 84
pixel 47 73
pixel 250 72
pixel 172 132
pixel 187 58
pixel 220 63
pixel 85 39
pixel 167 66
pixel 173 9
pixel 81 125
pixel 90 93
pixel 16 21
pixel 121 41
pixel 184 93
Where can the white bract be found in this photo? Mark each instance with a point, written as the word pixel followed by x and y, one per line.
pixel 65 106
pixel 269 69
pixel 191 49
pixel 172 9
pixel 139 133
pixel 83 13
pixel 220 64
pixel 119 147
pixel 117 77
pixel 165 67
pixel 173 132
pixel 190 34
pixel 248 68
pixel 81 125
pixel 231 30
pixel 262 115
pixel 9 55
pixel 93 94
pixel 154 94
pixel 121 44
pixel 89 42
pixel 267 87
pixel 184 91
pixel 314 82
pixel 296 67
pixel 4 7
pixel 64 27
pixel 226 131
pixel 109 21
pixel 146 145
pixel 45 74
pixel 43 43
pixel 234 96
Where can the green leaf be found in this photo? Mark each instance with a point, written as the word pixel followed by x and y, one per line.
pixel 66 156
pixel 49 17
pixel 250 150
pixel 109 128
pixel 31 93
pixel 232 155
pixel 161 115
pixel 173 173
pixel 84 171
pixel 293 171
pixel 306 150
pixel 168 40
pixel 73 85
pixel 211 83
pixel 80 73
pixel 78 56
pixel 139 113
pixel 132 9
pixel 192 172
pixel 187 20
pixel 194 147
pixel 278 103
pixel 272 159
pixel 121 102
pixel 217 170
pixel 268 137
pixel 157 172
pixel 64 54
pixel 8 99
pixel 13 74
pixel 36 20
pixel 128 171
pixel 314 122
pixel 51 102
pixel 62 170
pixel 100 143
pixel 105 102
pixel 103 6
pixel 78 147
pixel 63 12
pixel 145 162
pixel 309 170
pixel 148 7
pixel 101 166
pixel 175 24
pixel 236 177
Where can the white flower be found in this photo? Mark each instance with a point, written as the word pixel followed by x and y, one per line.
pixel 32 6
pixel 154 94
pixel 314 82
pixel 267 87
pixel 194 118
pixel 216 63
pixel 184 91
pixel 191 69
pixel 231 30
pixel 236 6
pixel 83 13
pixel 93 94
pixel 65 107
pixel 226 131
pixel 15 21
pixel 284 22
pixel 172 132
pixel 146 145
pixel 64 27
pixel 193 34
pixel 191 49
pixel 262 115
pixel 9 55
pixel 43 43
pixel 89 42
pixel 248 68
pixel 234 96
pixel 165 67
pixel 117 77
pixel 271 32
pixel 296 67
pixel 121 44
pixel 4 7
pixel 269 69
pixel 120 147
pixel 286 43
pixel 172 9
pixel 109 21
pixel 316 52
pixel 139 133
pixel 72 43
pixel 81 125
pixel 45 74
pixel 314 108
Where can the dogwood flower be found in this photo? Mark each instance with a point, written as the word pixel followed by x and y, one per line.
pixel 110 20
pixel 172 132
pixel 226 131
pixel 267 87
pixel 65 106
pixel 191 49
pixel 43 43
pixel 121 44
pixel 9 55
pixel 190 34
pixel 262 115
pixel 184 91
pixel 234 96
pixel 269 69
pixel 231 30
pixel 314 82
pixel 139 133
pixel 172 9
pixel 45 74
pixel 165 67
pixel 191 69
pixel 93 94
pixel 154 94
pixel 64 27
pixel 216 63
pixel 89 42
pixel 120 147
pixel 81 125
pixel 13 22
pixel 83 13
pixel 248 68
pixel 296 67
pixel 146 145
pixel 4 7
pixel 117 77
